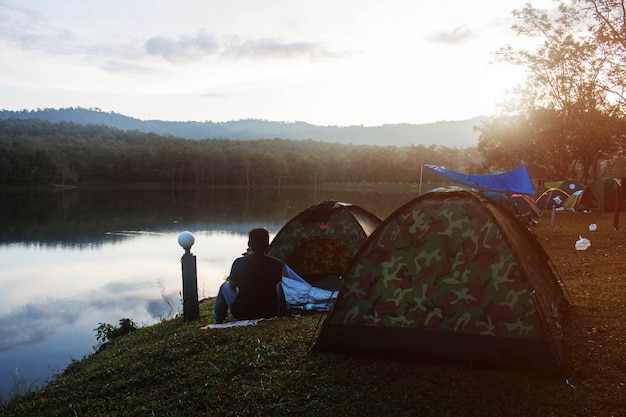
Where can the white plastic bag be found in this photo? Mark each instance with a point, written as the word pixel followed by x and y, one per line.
pixel 593 227
pixel 582 243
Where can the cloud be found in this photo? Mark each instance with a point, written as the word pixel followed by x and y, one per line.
pixel 185 48
pixel 33 32
pixel 202 46
pixel 276 49
pixel 33 324
pixel 455 36
pixel 19 25
pixel 37 323
pixel 125 67
pixel 23 28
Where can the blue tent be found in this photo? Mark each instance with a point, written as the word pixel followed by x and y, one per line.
pixel 516 180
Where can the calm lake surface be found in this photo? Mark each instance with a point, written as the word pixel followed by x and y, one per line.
pixel 70 260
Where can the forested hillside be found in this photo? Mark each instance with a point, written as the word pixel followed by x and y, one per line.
pixel 445 133
pixel 36 152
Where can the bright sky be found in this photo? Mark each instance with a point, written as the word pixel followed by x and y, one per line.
pixel 326 62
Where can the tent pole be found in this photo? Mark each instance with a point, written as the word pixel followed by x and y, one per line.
pixel 421 175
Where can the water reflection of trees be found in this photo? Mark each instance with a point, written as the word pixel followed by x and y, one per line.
pixel 86 217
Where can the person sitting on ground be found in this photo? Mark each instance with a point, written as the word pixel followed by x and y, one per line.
pixel 250 291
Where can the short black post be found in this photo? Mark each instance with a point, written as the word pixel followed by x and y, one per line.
pixel 191 308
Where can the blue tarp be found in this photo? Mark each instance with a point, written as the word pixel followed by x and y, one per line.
pixel 514 181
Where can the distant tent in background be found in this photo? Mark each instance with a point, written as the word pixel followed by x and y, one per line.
pixel 516 180
pixel 552 197
pixel 598 195
pixel 521 205
pixel 570 186
pixel 526 206
pixel 573 202
pixel 451 274
pixel 317 244
pixel 450 188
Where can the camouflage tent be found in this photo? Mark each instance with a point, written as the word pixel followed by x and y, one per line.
pixel 453 274
pixel 319 242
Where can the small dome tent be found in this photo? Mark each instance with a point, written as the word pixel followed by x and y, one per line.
pixel 521 205
pixel 570 186
pixel 452 274
pixel 526 206
pixel 315 247
pixel 603 194
pixel 552 197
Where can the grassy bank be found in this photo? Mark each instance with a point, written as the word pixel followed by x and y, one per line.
pixel 175 368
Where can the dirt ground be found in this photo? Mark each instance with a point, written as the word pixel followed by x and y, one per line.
pixel 595 281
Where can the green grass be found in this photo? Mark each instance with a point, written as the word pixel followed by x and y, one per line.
pixel 175 368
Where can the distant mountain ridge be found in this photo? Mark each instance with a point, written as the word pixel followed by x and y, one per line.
pixel 445 133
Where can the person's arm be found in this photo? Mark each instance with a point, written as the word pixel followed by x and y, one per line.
pixel 233 279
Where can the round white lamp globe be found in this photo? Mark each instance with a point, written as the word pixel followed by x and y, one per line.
pixel 186 240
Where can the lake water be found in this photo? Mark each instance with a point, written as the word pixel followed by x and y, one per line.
pixel 74 259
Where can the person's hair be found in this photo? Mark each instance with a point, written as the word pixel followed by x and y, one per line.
pixel 258 240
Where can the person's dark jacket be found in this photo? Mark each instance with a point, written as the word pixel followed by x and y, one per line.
pixel 256 276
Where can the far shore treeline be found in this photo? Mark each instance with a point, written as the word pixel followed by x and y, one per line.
pixel 35 153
